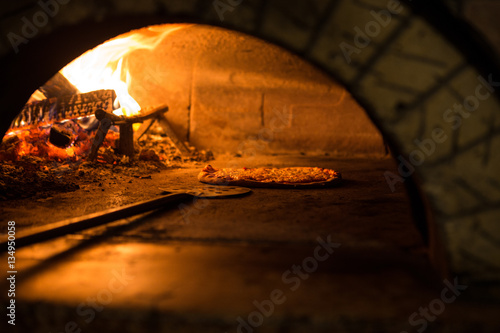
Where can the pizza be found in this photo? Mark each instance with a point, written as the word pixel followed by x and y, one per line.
pixel 295 177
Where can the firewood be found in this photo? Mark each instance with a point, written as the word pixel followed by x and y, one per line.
pixel 68 107
pixel 126 140
pixel 61 136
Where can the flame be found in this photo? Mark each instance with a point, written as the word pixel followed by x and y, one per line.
pixel 105 66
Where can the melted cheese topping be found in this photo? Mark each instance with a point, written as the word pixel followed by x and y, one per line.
pixel 295 175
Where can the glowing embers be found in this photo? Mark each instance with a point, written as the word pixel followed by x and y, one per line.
pixel 59 127
pixel 37 142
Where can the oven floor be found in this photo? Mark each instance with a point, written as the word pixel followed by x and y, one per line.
pixel 256 263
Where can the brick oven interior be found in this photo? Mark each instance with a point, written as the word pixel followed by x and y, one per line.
pixel 244 264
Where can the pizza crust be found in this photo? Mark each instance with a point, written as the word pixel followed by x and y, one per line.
pixel 208 176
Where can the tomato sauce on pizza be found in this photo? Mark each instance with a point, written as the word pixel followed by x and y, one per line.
pixel 260 177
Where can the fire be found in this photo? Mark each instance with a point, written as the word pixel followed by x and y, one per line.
pixel 105 66
pixel 35 142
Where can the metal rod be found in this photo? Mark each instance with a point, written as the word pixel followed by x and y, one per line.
pixel 145 126
pixel 165 125
pixel 61 228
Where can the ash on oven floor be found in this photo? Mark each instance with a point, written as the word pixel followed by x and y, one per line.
pixel 30 167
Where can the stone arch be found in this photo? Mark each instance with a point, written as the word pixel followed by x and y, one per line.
pixel 428 95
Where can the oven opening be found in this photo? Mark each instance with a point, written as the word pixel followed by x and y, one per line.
pixel 154 106
pixel 105 159
pixel 181 93
pixel 150 109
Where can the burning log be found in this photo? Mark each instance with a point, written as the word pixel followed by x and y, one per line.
pixel 126 146
pixel 61 136
pixel 68 107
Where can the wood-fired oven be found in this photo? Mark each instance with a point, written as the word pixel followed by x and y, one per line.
pixel 106 104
